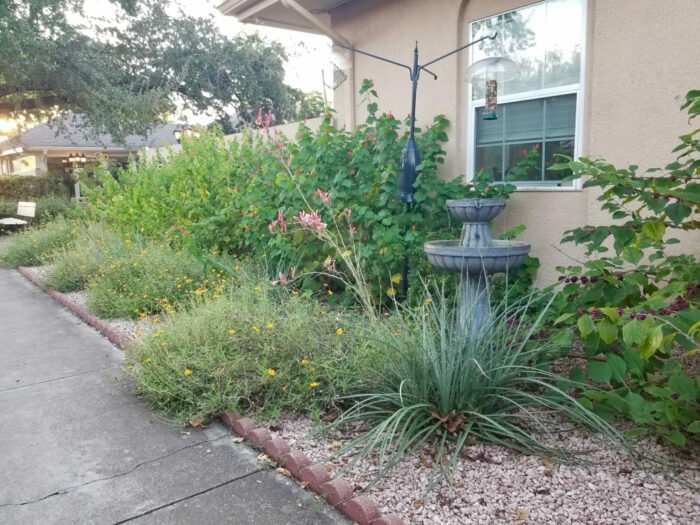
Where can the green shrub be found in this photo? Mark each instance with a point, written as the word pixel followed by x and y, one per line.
pixel 636 307
pixel 37 245
pixel 148 278
pixel 24 187
pixel 77 262
pixel 215 196
pixel 257 348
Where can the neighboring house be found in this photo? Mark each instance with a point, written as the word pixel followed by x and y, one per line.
pixel 598 78
pixel 46 147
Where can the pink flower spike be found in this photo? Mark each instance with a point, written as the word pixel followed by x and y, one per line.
pixel 311 221
pixel 292 270
pixel 524 152
pixel 258 120
pixel 325 196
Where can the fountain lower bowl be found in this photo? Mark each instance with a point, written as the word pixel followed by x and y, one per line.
pixel 502 256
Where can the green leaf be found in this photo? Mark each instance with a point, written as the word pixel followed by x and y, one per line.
pixel 563 317
pixel 611 313
pixel 607 331
pixel 678 211
pixel 618 366
pixel 562 338
pixel 634 332
pixel 694 427
pixel 676 438
pixel 585 325
pixel 654 230
pixel 577 375
pixel 652 342
pixel 683 385
pixel 600 372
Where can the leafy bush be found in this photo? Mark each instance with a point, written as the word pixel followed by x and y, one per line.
pixel 47 208
pixel 23 187
pixel 442 384
pixel 257 348
pixel 224 197
pixel 638 309
pixel 81 259
pixel 36 246
pixel 146 278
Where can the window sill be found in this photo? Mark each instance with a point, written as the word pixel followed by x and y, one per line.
pixel 544 189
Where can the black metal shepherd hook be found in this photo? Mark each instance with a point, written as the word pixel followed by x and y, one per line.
pixel 410 158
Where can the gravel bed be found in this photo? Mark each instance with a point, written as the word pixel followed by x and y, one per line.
pixel 492 485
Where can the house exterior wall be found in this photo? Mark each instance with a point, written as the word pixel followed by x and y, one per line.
pixel 640 59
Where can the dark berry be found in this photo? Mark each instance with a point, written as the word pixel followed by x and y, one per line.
pixel 584 279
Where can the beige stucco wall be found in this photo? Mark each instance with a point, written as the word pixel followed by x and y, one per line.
pixel 641 58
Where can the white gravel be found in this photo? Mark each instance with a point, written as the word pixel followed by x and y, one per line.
pixel 496 486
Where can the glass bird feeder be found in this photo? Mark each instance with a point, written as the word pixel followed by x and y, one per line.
pixel 492 71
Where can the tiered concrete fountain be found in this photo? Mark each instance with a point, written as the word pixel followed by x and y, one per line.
pixel 475 255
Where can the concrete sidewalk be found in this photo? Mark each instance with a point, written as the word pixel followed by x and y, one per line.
pixel 78 447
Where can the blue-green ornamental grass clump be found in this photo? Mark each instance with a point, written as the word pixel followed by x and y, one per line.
pixel 441 385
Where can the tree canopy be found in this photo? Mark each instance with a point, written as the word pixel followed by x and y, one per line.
pixel 127 73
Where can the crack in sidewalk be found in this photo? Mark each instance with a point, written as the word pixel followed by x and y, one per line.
pixel 59 378
pixel 180 500
pixel 66 490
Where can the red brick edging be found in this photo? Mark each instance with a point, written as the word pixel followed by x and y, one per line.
pixel 114 337
pixel 337 492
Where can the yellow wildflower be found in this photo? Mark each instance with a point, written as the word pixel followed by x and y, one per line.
pixel 148 359
pixel 255 328
pixel 330 292
pixel 256 288
pixel 271 372
pixel 313 385
pixel 232 331
pixel 428 301
pixel 339 331
pixel 284 388
pixel 304 361
pixel 188 371
pixel 270 325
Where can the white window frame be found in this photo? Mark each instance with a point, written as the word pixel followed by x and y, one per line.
pixel 578 90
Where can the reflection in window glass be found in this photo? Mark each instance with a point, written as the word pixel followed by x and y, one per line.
pixel 544 39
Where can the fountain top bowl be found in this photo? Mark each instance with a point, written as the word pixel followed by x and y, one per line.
pixel 475 210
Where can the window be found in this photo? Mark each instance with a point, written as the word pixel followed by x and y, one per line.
pixel 24 165
pixel 539 110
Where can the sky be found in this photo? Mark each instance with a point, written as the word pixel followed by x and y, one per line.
pixel 307 54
